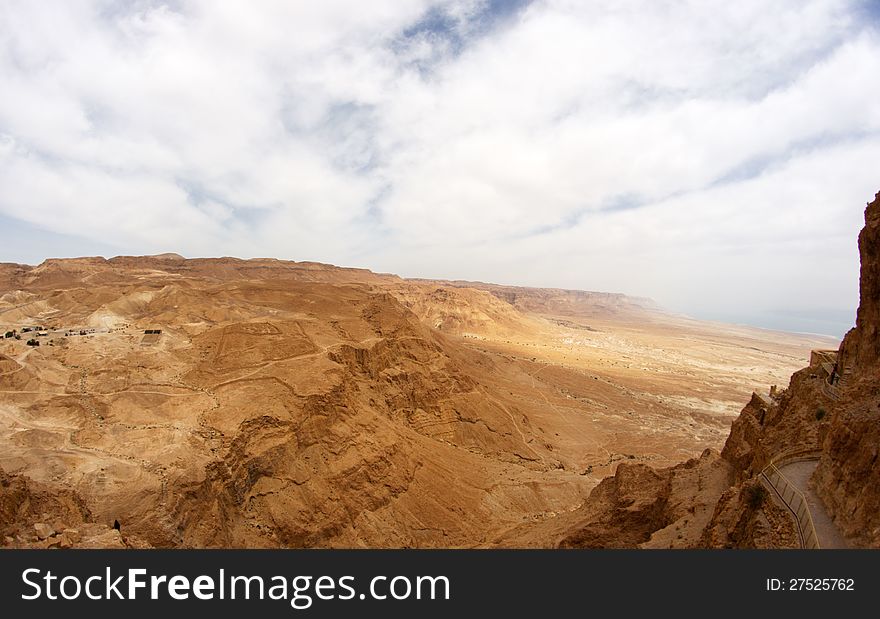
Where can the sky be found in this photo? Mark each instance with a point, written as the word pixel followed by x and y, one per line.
pixel 715 156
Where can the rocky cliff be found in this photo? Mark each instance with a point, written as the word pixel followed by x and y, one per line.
pixel 643 506
pixel 840 421
pixel 848 476
pixel 35 515
pixel 860 351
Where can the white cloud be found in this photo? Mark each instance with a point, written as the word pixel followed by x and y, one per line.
pixel 681 150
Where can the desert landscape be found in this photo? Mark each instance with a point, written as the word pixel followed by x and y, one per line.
pixel 263 403
pixel 439 305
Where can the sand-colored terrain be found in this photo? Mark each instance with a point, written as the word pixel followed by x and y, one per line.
pixel 297 404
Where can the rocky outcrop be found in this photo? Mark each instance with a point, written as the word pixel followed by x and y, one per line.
pixel 848 476
pixel 860 351
pixel 631 506
pixel 715 501
pixel 745 516
pixel 35 515
pixel 840 421
pixel 24 503
pixel 319 473
pixel 289 485
pixel 650 508
pixel 462 310
pixel 795 420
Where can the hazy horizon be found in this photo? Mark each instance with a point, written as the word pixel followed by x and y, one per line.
pixel 825 322
pixel 715 157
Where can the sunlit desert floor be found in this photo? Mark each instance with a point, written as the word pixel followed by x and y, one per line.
pixel 348 413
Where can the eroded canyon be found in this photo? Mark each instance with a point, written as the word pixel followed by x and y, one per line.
pixel 298 404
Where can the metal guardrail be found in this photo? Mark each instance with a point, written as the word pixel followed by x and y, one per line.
pixel 795 454
pixel 793 498
pixel 830 390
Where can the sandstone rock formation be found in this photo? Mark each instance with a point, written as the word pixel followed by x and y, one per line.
pixel 642 506
pixel 276 403
pixel 34 515
pixel 848 477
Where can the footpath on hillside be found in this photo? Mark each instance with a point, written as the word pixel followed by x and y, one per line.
pixel 798 474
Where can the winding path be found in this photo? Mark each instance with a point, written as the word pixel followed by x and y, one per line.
pixel 799 473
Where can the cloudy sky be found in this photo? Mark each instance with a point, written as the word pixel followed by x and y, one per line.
pixel 716 156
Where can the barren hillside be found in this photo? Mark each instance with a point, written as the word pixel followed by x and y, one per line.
pixel 262 403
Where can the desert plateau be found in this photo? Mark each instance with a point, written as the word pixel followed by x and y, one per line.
pixel 263 403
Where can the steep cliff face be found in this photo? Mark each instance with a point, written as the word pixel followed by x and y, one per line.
pixel 24 502
pixel 461 310
pixel 848 476
pixel 841 422
pixel 746 517
pixel 305 475
pixel 391 448
pixel 638 507
pixel 795 420
pixel 860 351
pixel 714 501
